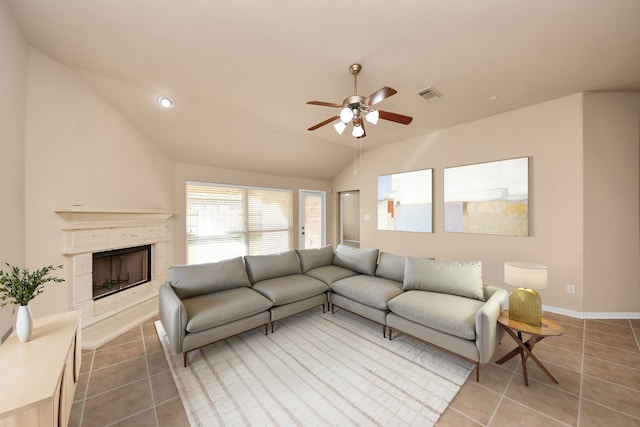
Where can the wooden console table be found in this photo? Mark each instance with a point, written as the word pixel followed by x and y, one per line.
pixel 515 329
pixel 39 376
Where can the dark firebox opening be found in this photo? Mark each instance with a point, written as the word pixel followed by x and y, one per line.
pixel 114 271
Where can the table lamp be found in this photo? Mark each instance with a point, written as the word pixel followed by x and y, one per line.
pixel 525 303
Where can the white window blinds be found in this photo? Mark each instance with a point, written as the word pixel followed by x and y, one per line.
pixel 228 221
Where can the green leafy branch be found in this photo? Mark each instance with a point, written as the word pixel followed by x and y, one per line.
pixel 19 286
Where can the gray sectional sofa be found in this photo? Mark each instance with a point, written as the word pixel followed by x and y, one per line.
pixel 444 303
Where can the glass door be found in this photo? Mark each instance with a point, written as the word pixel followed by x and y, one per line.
pixel 312 219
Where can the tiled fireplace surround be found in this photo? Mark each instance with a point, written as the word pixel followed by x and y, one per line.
pixel 88 230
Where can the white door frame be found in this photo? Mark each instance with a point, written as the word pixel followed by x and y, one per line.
pixel 301 215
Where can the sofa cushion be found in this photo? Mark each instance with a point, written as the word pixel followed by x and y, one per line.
pixel 447 313
pixel 215 309
pixel 462 278
pixel 372 291
pixel 356 259
pixel 391 266
pixel 314 258
pixel 292 288
pixel 263 267
pixel 330 273
pixel 198 279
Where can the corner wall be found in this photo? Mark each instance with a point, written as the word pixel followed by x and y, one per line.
pixel 13 92
pixel 611 202
pixel 80 152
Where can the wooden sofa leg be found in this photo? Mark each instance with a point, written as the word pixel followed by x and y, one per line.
pixel 273 326
pixel 323 309
pixel 384 331
pixel 184 356
pixel 266 329
pixel 390 333
pixel 477 372
pixel 333 309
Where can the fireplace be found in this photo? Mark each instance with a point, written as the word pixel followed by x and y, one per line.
pixel 116 270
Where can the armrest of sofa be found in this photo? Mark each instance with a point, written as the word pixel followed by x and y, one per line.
pixel 173 316
pixel 487 331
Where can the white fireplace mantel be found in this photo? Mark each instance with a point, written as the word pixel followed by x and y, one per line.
pixel 89 230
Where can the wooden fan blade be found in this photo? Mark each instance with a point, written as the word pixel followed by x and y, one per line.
pixel 326 122
pixel 363 129
pixel 394 117
pixel 378 96
pixel 325 104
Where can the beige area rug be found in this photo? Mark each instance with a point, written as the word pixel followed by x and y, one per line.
pixel 317 369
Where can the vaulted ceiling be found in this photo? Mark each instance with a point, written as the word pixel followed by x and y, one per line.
pixel 241 71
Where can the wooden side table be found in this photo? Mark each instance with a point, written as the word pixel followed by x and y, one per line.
pixel 515 329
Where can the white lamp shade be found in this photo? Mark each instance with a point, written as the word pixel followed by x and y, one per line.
pixel 340 127
pixel 358 131
pixel 372 116
pixel 346 115
pixel 525 275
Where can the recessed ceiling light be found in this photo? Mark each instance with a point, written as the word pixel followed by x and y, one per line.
pixel 165 102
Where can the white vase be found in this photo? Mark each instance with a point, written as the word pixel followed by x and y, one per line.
pixel 24 323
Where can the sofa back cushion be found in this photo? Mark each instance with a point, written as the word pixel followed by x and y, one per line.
pixel 391 266
pixel 199 279
pixel 463 278
pixel 314 258
pixel 356 259
pixel 263 267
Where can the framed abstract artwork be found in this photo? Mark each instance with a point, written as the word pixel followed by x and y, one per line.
pixel 405 201
pixel 488 198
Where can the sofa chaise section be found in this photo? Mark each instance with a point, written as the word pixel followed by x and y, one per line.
pixel 205 303
pixel 446 304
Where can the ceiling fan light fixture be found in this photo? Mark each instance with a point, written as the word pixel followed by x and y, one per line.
pixel 340 127
pixel 372 116
pixel 358 131
pixel 346 115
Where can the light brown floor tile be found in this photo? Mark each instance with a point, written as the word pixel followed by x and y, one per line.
pixel 117 404
pixel 619 357
pixel 118 353
pixel 171 414
pixel 494 377
pixel 594 415
pixel 133 334
pixel 621 375
pixel 514 414
pixel 152 345
pixel 81 387
pixel 164 388
pixel 118 375
pixel 617 341
pixel 616 327
pixel 144 419
pixel 157 362
pixel 86 361
pixel 564 321
pixel 565 342
pixel 555 403
pixel 611 395
pixel 548 353
pixel 569 379
pixel 453 418
pixel 476 401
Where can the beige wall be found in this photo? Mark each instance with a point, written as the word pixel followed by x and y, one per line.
pixel 187 172
pixel 611 211
pixel 13 89
pixel 551 135
pixel 79 151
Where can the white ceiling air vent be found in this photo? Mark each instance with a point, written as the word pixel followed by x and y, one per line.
pixel 430 94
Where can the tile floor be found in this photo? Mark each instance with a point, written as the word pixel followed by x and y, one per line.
pixel 127 382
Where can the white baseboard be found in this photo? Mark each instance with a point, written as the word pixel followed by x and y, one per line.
pixel 592 315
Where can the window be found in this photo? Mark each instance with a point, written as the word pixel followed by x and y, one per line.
pixel 225 221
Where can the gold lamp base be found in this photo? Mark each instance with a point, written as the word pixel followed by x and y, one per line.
pixel 525 305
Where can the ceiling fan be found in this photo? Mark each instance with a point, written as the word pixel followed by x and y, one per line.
pixel 357 109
